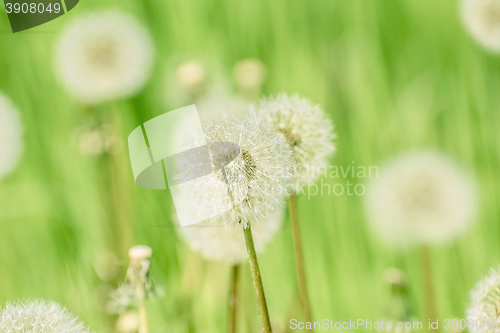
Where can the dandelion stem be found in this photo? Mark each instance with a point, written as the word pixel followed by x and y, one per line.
pixel 257 281
pixel 143 318
pixel 299 259
pixel 429 288
pixel 233 298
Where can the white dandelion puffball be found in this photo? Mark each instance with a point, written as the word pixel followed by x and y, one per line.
pixel 249 73
pixel 104 56
pixel 10 136
pixel 227 243
pixel 246 184
pixel 308 131
pixel 420 197
pixel 482 20
pixel 39 317
pixel 485 300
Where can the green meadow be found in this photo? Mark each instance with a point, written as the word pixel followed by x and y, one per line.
pixel 394 76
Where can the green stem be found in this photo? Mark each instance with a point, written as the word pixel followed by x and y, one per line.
pixel 257 281
pixel 143 318
pixel 429 287
pixel 299 260
pixel 233 299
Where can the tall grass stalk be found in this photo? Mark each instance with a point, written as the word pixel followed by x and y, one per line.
pixel 257 280
pixel 299 259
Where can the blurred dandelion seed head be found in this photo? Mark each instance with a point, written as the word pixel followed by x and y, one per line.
pixel 485 303
pixel 395 277
pixel 11 132
pixel 97 141
pixel 249 73
pixel 420 198
pixel 220 104
pixel 191 75
pixel 227 243
pixel 139 252
pixel 192 81
pixel 307 129
pixel 39 317
pixel 128 322
pixel 247 187
pixel 107 266
pixel 482 20
pixel 138 284
pixel 104 56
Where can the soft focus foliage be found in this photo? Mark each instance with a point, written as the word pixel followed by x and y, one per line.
pixel 11 132
pixel 394 76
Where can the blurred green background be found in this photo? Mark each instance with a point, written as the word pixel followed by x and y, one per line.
pixel 393 75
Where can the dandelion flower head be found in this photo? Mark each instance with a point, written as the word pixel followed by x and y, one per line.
pixel 103 56
pixel 485 303
pixel 482 20
pixel 226 243
pixel 421 197
pixel 39 317
pixel 248 183
pixel 307 129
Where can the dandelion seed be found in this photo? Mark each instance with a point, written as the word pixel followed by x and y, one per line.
pixel 307 129
pixel 104 56
pixel 226 243
pixel 39 317
pixel 482 20
pixel 421 198
pixel 249 187
pixel 485 303
pixel 10 136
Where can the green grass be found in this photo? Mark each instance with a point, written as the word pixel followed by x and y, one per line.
pixel 394 75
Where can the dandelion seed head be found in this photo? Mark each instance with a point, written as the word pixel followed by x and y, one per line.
pixel 308 131
pixel 247 183
pixel 138 284
pixel 103 56
pixel 485 303
pixel 140 252
pixel 420 198
pixel 482 20
pixel 226 243
pixel 10 136
pixel 39 317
